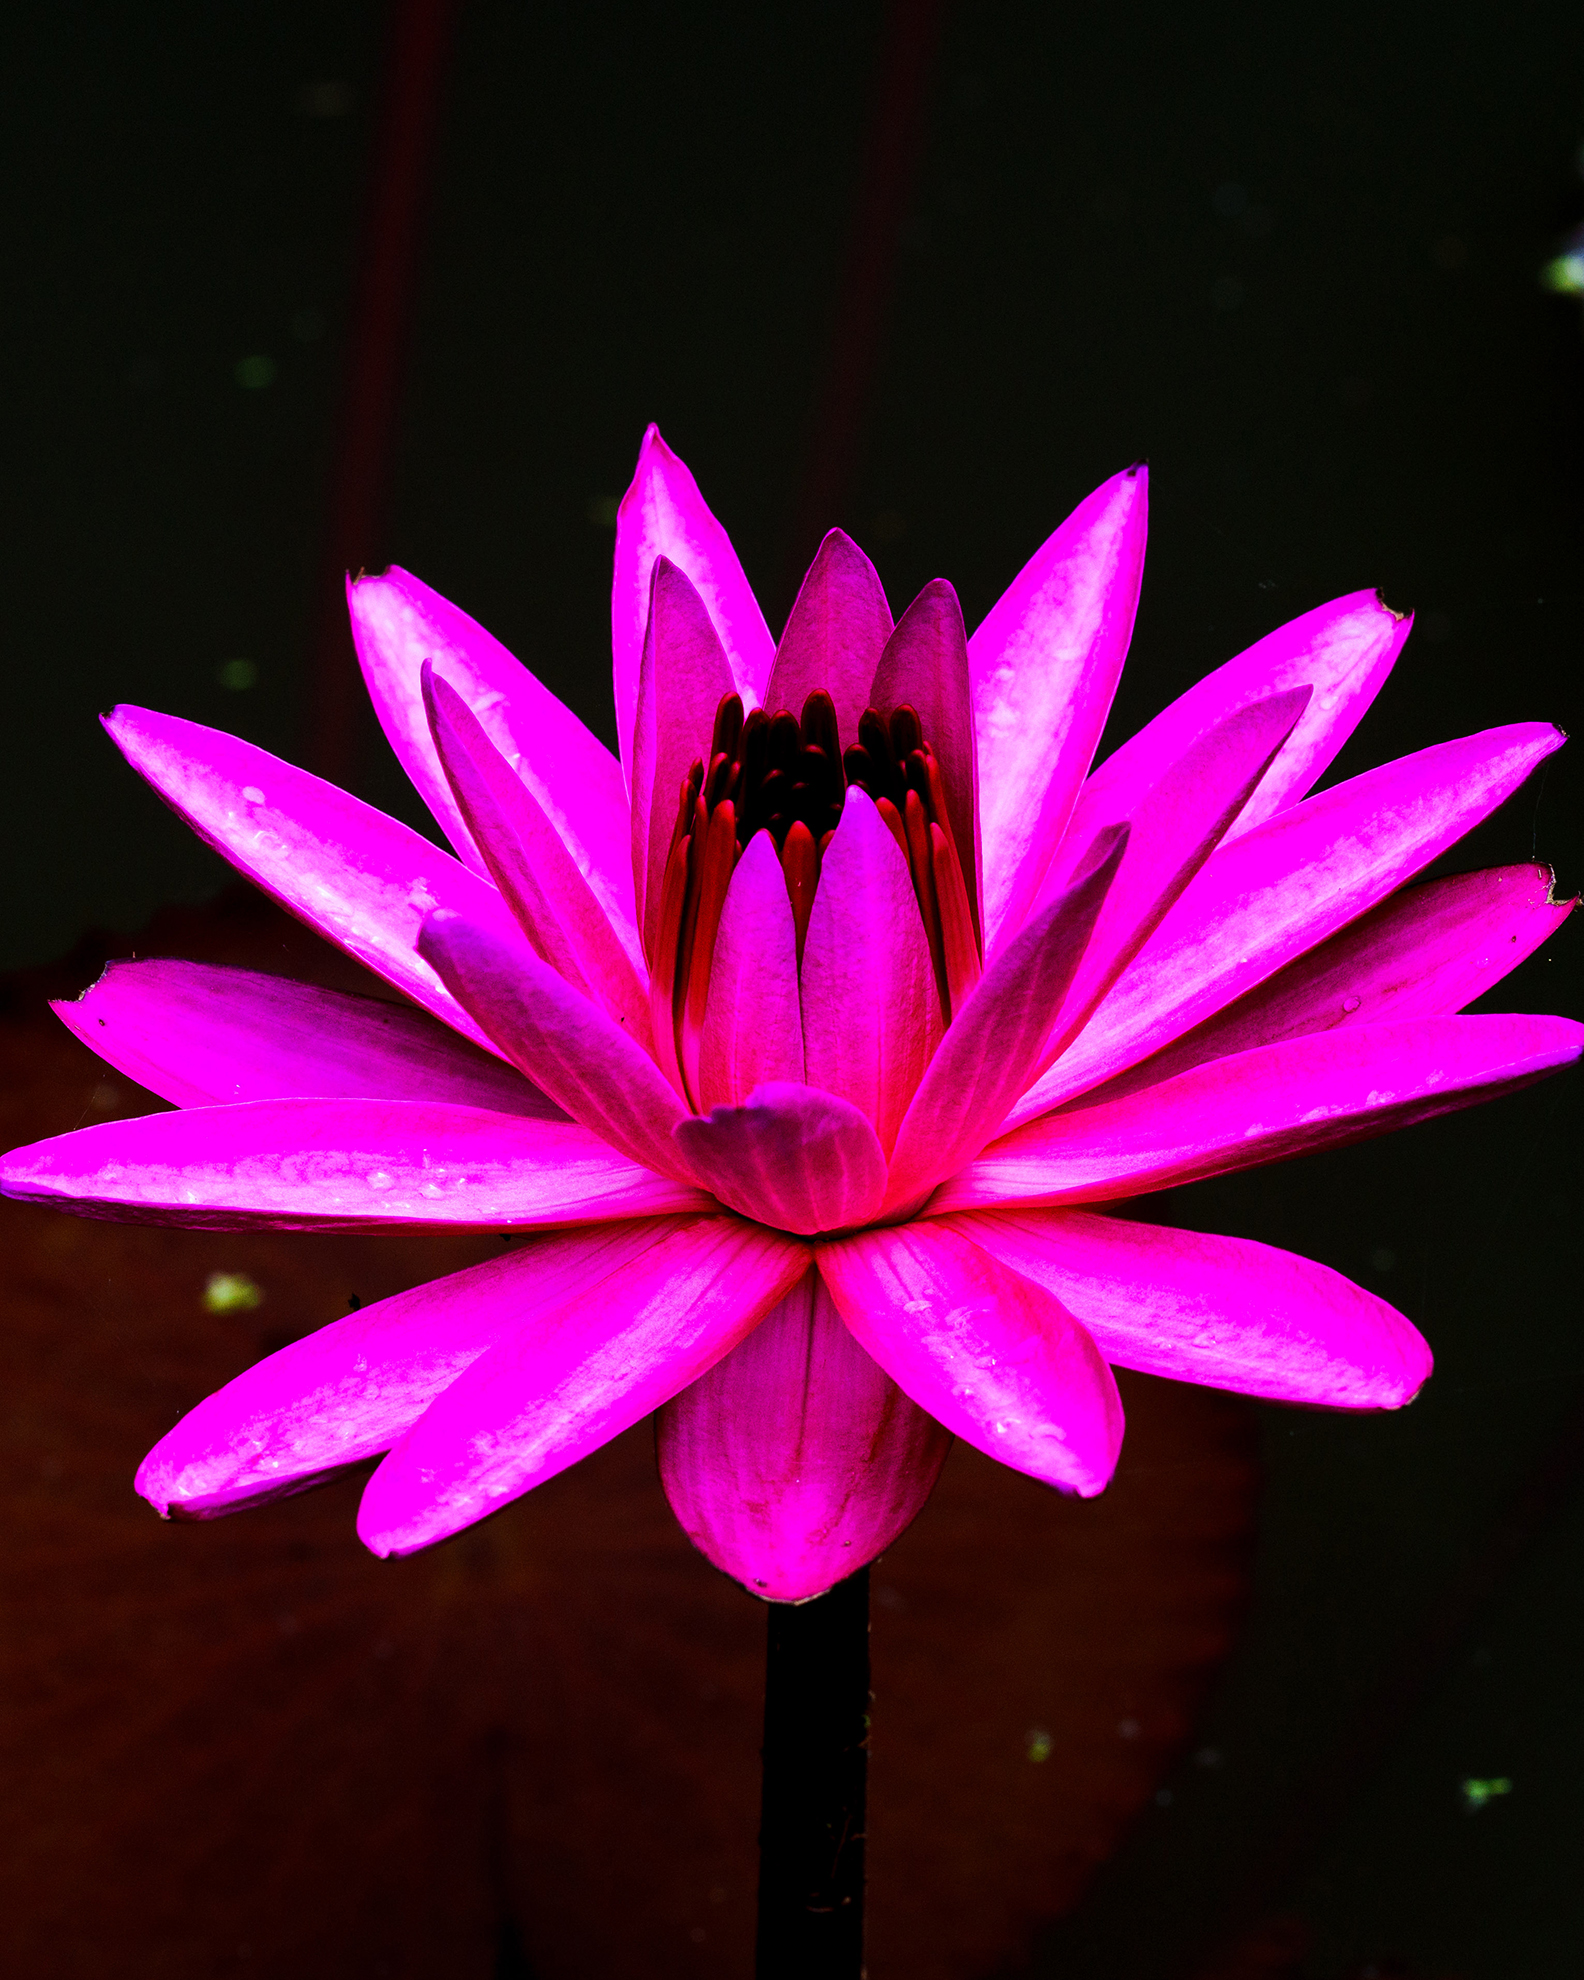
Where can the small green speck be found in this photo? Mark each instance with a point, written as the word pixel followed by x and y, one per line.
pixel 254 373
pixel 1477 1793
pixel 603 510
pixel 231 1292
pixel 1038 1745
pixel 237 674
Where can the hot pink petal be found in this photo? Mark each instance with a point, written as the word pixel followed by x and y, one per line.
pixel 1343 651
pixel 1264 1106
pixel 1425 952
pixel 680 684
pixel 795 1460
pixel 398 624
pixel 352 1389
pixel 584 1061
pixel 339 1165
pixel 835 635
pixel 579 1374
pixel 1045 664
pixel 871 1010
pixel 792 1156
pixel 925 663
pixel 989 1354
pixel 1173 831
pixel 1281 889
pixel 527 860
pixel 361 879
pixel 198 1035
pixel 1222 1311
pixel 996 1042
pixel 753 1024
pixel 663 515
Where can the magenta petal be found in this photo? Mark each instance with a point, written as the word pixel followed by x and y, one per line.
pixel 871 1008
pixel 1425 952
pixel 753 1023
pixel 835 636
pixel 989 1354
pixel 1045 664
pixel 353 1388
pixel 339 1165
pixel 1222 1311
pixel 1342 651
pixel 1174 830
pixel 792 1156
pixel 536 875
pixel 997 1040
pixel 577 1375
pixel 361 879
pixel 398 624
pixel 680 684
pixel 1279 890
pixel 925 663
pixel 663 515
pixel 796 1460
pixel 566 1045
pixel 1264 1106
pixel 197 1035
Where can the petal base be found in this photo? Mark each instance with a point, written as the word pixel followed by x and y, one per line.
pixel 796 1461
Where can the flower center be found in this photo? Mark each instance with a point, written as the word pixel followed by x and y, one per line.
pixel 789 776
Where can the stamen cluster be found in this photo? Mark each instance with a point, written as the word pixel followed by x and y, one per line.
pixel 789 776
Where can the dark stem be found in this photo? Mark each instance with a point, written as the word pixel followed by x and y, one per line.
pixel 816 1754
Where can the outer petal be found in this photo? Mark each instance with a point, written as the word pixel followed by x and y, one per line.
pixel 527 860
pixel 1174 830
pixel 1264 1106
pixel 753 1022
pixel 398 624
pixel 795 1460
pixel 1342 651
pixel 1279 890
pixel 1045 665
pixel 925 663
pixel 1223 1311
pixel 663 515
pixel 792 1156
pixel 683 677
pixel 353 1388
pixel 585 1062
pixel 579 1375
pixel 996 1041
pixel 339 1165
pixel 361 879
pixel 196 1034
pixel 988 1353
pixel 871 1010
pixel 837 631
pixel 1426 952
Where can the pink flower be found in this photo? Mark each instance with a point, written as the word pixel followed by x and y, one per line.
pixel 819 1076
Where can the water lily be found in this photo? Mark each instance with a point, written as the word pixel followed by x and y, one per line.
pixel 815 1038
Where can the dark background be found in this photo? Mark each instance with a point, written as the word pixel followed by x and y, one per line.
pixel 1290 256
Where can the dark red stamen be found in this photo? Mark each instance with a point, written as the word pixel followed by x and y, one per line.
pixel 959 946
pixel 921 864
pixel 800 864
pixel 706 898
